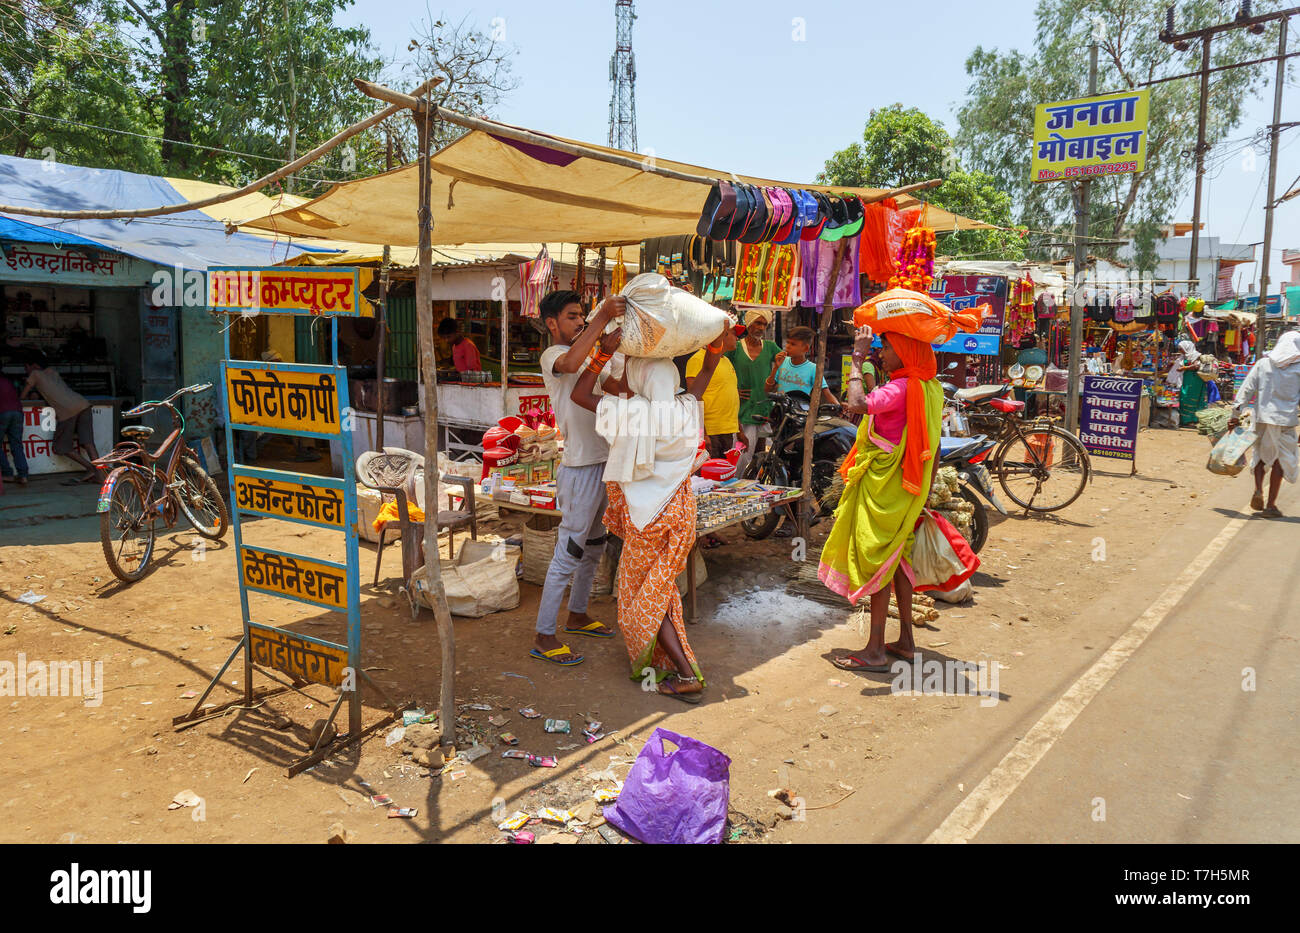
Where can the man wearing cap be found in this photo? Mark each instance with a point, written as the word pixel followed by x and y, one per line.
pixel 752 360
pixel 580 482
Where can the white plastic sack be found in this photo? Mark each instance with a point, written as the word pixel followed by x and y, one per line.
pixel 958 594
pixel 663 321
pixel 1228 456
pixel 481 580
pixel 933 559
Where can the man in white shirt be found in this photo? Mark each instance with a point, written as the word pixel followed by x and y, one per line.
pixel 1274 383
pixel 580 484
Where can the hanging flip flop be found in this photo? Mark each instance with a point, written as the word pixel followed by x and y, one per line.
pixel 591 630
pixel 556 653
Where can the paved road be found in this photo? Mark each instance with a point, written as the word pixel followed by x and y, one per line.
pixel 1194 738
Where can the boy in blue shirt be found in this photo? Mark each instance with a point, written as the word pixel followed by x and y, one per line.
pixel 792 371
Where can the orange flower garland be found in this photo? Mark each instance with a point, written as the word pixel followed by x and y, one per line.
pixel 915 260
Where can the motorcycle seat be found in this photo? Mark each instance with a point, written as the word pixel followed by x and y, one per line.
pixel 982 393
pixel 950 446
pixel 1006 404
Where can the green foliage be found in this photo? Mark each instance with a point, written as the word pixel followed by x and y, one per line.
pixel 904 146
pixel 996 120
pixel 67 63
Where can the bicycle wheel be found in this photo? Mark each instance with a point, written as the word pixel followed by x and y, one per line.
pixel 200 499
pixel 1043 468
pixel 769 470
pixel 126 530
pixel 979 523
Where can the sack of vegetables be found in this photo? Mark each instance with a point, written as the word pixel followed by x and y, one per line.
pixel 917 315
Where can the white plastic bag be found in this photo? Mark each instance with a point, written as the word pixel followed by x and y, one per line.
pixel 481 580
pixel 933 559
pixel 958 594
pixel 664 322
pixel 1228 456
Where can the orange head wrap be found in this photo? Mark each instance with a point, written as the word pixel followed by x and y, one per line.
pixel 919 365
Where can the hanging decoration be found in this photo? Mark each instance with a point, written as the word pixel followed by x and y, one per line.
pixel 915 260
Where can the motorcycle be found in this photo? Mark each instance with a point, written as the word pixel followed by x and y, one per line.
pixel 965 455
pixel 782 459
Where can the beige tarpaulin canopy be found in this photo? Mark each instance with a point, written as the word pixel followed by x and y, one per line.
pixel 487 188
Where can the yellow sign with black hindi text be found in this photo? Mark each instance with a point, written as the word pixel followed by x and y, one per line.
pixel 298 499
pixel 313 581
pixel 301 658
pixel 266 397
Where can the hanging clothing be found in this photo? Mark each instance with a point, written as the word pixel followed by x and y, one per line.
pixel 653 558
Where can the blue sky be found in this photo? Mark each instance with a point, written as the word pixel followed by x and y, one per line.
pixel 726 84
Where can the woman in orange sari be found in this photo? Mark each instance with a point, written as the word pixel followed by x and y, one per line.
pixel 653 436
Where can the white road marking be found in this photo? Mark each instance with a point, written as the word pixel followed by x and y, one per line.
pixel 972 813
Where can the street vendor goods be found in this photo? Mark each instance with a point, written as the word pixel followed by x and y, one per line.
pixel 664 322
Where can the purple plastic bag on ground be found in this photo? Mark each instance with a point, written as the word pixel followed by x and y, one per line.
pixel 674 797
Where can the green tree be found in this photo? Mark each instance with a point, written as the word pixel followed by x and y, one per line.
pixel 64 65
pixel 266 79
pixel 901 146
pixel 996 120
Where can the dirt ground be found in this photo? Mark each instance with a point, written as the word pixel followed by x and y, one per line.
pixel 787 718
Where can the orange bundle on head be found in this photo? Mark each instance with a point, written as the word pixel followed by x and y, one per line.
pixel 920 321
pixel 916 315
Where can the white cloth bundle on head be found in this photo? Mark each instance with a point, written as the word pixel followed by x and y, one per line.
pixel 1287 351
pixel 1189 350
pixel 653 437
pixel 663 321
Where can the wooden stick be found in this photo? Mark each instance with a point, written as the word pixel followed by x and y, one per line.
pixel 429 373
pixel 250 188
pixel 810 424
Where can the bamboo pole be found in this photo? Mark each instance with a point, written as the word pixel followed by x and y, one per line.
pixel 807 504
pixel 429 372
pixel 250 188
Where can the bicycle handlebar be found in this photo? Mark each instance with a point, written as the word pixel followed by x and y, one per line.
pixel 149 406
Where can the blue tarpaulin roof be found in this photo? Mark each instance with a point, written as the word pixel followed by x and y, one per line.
pixel 190 239
pixel 11 229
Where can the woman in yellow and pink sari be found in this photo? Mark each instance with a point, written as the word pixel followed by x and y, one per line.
pixel 887 479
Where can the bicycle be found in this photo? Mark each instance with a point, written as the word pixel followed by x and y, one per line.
pixel 142 487
pixel 1040 466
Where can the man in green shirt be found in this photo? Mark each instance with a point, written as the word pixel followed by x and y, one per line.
pixel 752 360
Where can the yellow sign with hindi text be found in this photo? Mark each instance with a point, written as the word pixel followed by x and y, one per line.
pixel 1090 137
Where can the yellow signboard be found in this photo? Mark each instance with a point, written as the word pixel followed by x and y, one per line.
pixel 279 398
pixel 311 661
pixel 290 291
pixel 312 581
pixel 1090 137
pixel 298 499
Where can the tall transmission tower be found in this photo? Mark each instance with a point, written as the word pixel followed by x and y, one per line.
pixel 622 75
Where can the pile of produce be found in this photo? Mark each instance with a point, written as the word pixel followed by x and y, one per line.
pixel 945 500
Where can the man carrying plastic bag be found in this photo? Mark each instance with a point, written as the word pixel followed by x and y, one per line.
pixel 1274 384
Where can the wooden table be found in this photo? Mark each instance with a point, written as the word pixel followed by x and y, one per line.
pixel 689 611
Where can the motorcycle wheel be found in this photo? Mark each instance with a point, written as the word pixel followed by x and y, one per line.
pixel 769 470
pixel 979 523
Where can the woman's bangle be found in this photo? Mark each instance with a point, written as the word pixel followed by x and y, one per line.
pixel 598 361
pixel 716 352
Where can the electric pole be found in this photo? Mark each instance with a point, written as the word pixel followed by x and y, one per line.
pixel 1182 41
pixel 1261 315
pixel 1082 193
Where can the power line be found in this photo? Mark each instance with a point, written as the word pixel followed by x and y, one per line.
pixel 176 142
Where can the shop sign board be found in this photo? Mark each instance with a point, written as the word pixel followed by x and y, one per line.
pixel 963 292
pixel 1090 137
pixel 290 290
pixel 1109 415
